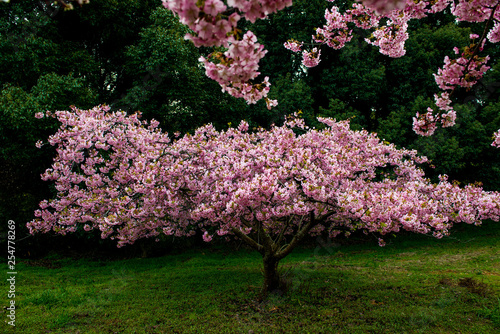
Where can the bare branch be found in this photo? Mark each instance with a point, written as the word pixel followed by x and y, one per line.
pixel 249 241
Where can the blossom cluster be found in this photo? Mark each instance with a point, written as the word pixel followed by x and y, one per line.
pixel 311 59
pixel 462 72
pixel 496 141
pixel 335 33
pixel 391 37
pixel 236 67
pixel 105 163
pixel 474 10
pixel 127 179
pixel 214 24
pixel 386 6
pixel 426 124
pixel 494 34
pixel 293 45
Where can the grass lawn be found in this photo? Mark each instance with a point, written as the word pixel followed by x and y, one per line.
pixel 416 284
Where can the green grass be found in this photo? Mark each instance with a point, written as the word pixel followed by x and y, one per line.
pixel 415 284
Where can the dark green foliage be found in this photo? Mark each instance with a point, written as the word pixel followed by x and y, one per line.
pixel 103 29
pixel 168 83
pixel 342 111
pixel 21 163
pixel 293 96
pixel 412 75
pixel 51 60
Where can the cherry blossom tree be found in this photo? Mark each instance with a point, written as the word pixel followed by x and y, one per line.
pixel 270 188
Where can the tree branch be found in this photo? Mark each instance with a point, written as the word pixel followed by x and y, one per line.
pixel 282 233
pixel 249 241
pixel 298 237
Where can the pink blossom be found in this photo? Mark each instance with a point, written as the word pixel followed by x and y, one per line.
pixel 463 72
pixel 207 237
pixel 214 7
pixel 237 67
pixel 425 124
pixel 236 182
pixel 311 59
pixel 496 142
pixel 293 45
pixel 383 7
pixel 335 33
pixel 473 11
pixel 448 119
pixel 494 33
pixel 391 38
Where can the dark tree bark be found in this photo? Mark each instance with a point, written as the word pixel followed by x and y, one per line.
pixel 273 251
pixel 272 279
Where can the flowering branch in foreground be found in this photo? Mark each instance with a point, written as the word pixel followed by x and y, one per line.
pixel 214 23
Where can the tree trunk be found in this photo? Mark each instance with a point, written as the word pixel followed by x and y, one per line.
pixel 272 252
pixel 272 280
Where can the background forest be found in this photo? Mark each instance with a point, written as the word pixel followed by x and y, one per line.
pixel 133 56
